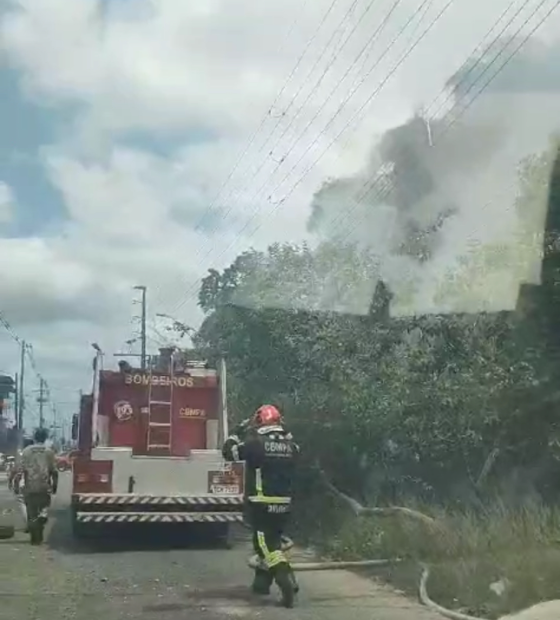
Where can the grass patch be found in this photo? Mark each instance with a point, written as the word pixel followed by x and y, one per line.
pixel 486 563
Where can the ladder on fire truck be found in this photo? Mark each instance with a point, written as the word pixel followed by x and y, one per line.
pixel 160 412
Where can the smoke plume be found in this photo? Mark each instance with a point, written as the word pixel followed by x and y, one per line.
pixel 436 201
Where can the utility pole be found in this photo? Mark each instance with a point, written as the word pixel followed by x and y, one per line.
pixel 16 399
pixel 41 400
pixel 21 398
pixel 143 326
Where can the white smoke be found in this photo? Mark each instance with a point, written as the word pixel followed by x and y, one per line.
pixel 438 208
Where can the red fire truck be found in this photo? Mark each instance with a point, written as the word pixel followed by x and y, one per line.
pixel 150 448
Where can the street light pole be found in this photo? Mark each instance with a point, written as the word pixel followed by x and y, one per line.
pixel 41 400
pixel 21 398
pixel 143 326
pixel 97 367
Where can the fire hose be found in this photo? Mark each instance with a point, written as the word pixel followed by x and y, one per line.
pixel 359 511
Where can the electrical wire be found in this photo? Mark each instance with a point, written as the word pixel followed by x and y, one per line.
pixel 508 58
pixel 356 115
pixel 279 95
pixel 368 186
pixel 349 95
pixel 468 67
pixel 29 354
pixel 311 92
pixel 347 98
pixel 386 190
pixel 305 81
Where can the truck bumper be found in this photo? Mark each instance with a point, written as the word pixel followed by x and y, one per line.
pixel 158 517
pixel 132 508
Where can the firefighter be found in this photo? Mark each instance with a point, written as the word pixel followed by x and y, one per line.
pixel 10 466
pixel 269 452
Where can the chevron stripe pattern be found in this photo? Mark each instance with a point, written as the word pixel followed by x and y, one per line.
pixel 155 517
pixel 157 500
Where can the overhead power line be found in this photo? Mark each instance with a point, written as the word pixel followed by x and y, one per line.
pixel 276 100
pixel 191 292
pixel 27 353
pixel 385 186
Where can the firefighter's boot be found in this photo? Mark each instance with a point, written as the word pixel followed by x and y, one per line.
pixel 294 580
pixel 36 532
pixel 262 581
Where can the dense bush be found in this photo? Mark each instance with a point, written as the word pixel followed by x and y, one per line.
pixel 454 410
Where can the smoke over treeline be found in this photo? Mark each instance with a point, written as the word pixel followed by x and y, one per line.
pixel 437 192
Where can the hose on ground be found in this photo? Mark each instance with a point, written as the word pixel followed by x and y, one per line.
pixel 427 601
pixel 359 511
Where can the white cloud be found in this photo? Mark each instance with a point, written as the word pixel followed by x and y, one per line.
pixel 7 201
pixel 176 70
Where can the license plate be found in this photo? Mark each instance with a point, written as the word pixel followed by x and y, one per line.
pixel 224 483
pixel 223 489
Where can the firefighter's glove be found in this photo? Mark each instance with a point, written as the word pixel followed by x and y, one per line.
pixel 242 427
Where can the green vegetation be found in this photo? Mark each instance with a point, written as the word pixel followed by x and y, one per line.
pixel 458 412
pixel 486 563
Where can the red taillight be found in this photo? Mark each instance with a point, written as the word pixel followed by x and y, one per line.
pixel 83 478
pixel 92 476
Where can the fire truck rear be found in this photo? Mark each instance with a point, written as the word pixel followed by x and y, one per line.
pixel 150 448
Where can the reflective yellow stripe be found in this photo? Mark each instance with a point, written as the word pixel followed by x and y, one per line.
pixel 260 497
pixel 269 499
pixel 271 558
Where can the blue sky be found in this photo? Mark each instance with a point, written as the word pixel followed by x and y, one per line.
pixel 24 129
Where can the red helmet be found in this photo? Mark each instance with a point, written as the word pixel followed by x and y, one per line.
pixel 267 415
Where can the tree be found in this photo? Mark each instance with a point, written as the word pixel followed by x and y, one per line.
pixel 387 405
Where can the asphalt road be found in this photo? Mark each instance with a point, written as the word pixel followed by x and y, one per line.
pixel 146 576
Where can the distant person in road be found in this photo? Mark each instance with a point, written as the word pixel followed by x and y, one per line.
pixel 17 483
pixel 10 467
pixel 37 466
pixel 269 452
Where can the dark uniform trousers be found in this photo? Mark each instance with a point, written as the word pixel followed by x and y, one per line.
pixel 36 502
pixel 268 522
